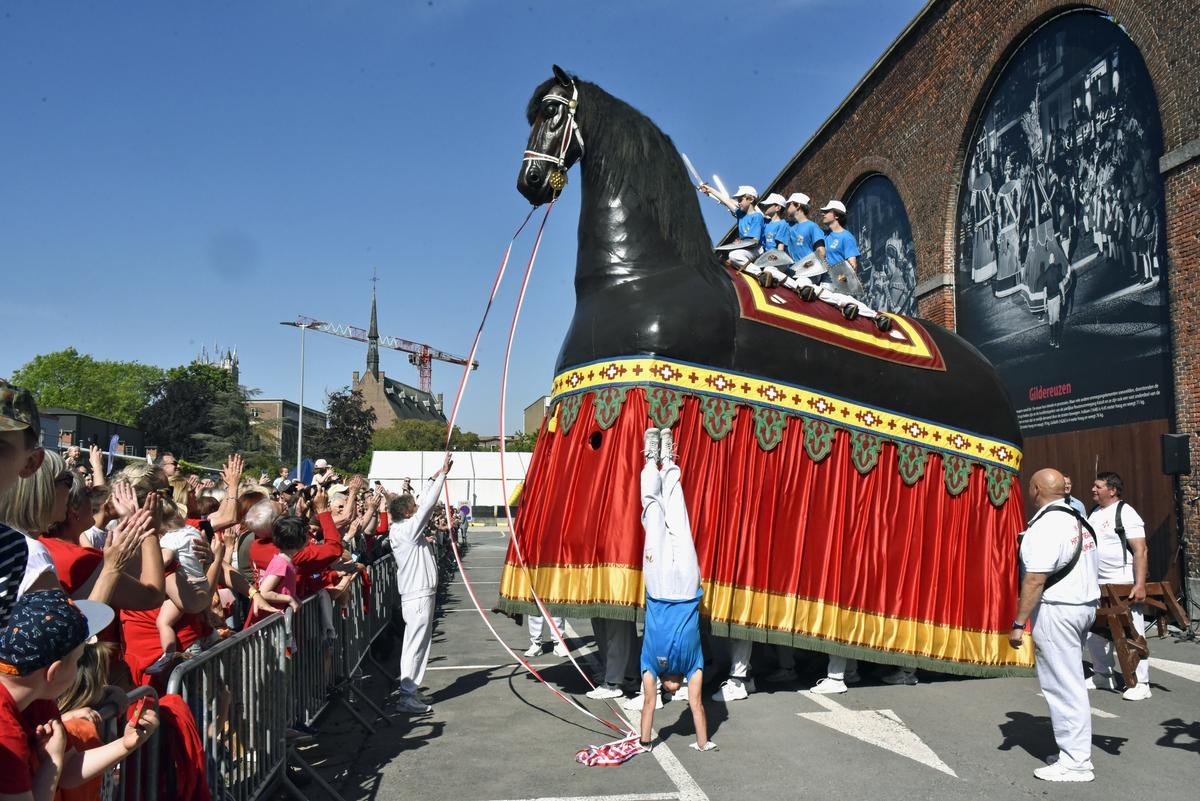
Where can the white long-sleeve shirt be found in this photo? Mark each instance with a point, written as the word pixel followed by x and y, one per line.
pixel 416 567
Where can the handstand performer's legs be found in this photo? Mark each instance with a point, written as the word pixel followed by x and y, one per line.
pixel 669 564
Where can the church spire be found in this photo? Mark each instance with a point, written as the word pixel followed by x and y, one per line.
pixel 373 340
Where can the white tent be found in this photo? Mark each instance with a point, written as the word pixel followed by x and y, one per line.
pixel 474 479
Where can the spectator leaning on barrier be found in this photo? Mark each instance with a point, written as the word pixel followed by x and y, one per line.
pixel 416 569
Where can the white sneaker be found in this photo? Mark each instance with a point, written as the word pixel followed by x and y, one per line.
pixel 1100 681
pixel 828 686
pixel 781 675
pixel 732 690
pixel 1138 692
pixel 533 650
pixel 561 650
pixel 666 448
pixel 604 691
pixel 410 703
pixel 635 703
pixel 901 677
pixel 1058 773
pixel 650 451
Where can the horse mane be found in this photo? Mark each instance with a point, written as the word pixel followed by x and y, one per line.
pixel 626 149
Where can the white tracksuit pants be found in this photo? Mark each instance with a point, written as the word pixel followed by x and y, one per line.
pixel 1104 656
pixel 535 622
pixel 669 564
pixel 1059 631
pixel 418 631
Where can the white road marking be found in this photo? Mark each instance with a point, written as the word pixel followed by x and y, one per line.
pixel 1099 713
pixel 676 772
pixel 1184 670
pixel 621 797
pixel 879 727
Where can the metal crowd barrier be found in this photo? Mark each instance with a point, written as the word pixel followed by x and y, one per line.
pixel 136 777
pixel 249 690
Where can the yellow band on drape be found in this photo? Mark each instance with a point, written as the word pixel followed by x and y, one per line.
pixel 747 608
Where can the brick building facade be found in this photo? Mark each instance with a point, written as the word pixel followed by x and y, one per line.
pixel 912 119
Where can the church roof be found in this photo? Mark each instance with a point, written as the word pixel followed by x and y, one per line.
pixel 410 403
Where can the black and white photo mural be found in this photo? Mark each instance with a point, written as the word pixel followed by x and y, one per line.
pixel 1061 248
pixel 887 266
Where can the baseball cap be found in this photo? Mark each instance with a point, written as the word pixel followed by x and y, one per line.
pixel 18 410
pixel 800 199
pixel 336 488
pixel 773 199
pixel 745 189
pixel 320 464
pixel 44 627
pixel 834 205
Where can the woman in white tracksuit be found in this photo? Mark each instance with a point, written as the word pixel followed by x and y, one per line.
pixel 416 568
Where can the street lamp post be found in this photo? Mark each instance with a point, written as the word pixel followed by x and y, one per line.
pixel 300 416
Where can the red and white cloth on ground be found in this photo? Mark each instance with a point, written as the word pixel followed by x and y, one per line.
pixel 611 754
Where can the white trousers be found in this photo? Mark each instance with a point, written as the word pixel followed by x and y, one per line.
pixel 1059 631
pixel 669 564
pixel 418 631
pixel 743 258
pixel 535 627
pixel 1104 656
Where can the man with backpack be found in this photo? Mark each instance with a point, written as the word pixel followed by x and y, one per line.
pixel 1060 594
pixel 1123 560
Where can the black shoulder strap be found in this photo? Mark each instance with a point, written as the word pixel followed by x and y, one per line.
pixel 1120 529
pixel 1062 572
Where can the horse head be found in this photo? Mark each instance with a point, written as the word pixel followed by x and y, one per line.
pixel 555 141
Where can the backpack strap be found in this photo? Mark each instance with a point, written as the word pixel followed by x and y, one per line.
pixel 1120 529
pixel 1062 572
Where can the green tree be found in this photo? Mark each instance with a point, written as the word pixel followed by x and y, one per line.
pixel 227 430
pixel 422 435
pixel 348 438
pixel 179 407
pixel 116 391
pixel 520 442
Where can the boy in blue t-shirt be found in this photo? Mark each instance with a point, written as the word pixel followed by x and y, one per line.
pixel 840 244
pixel 750 221
pixel 671 644
pixel 805 237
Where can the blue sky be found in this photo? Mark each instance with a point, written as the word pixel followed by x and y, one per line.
pixel 177 175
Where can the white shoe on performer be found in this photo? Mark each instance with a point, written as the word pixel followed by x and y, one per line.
pixel 605 691
pixel 732 690
pixel 1138 692
pixel 561 650
pixel 651 445
pixel 666 449
pixel 828 686
pixel 635 703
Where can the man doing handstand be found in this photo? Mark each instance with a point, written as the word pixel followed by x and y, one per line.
pixel 671 644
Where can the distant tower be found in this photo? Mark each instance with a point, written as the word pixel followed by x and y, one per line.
pixel 373 341
pixel 230 364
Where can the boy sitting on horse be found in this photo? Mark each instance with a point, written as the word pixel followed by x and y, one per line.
pixel 750 222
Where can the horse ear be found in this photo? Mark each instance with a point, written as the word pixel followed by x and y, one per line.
pixel 562 77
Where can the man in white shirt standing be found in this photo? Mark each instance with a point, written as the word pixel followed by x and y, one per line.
pixel 416 567
pixel 1123 560
pixel 1060 593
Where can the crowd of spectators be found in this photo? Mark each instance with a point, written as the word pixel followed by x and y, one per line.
pixel 177 561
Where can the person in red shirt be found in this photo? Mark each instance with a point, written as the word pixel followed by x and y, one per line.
pixel 39 656
pixel 311 560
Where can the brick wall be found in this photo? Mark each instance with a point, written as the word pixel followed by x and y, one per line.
pixel 912 119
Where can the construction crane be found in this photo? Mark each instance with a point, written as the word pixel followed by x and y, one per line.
pixel 419 354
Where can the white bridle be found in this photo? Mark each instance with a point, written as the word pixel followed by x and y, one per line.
pixel 570 131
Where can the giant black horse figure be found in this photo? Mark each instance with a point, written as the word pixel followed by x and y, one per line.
pixel 802 540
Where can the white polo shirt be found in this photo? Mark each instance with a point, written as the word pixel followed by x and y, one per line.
pixel 1049 544
pixel 1116 564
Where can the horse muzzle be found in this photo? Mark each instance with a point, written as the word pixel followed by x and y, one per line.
pixel 540 182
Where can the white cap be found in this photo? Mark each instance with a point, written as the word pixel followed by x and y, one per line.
pixel 745 190
pixel 800 199
pixel 834 205
pixel 773 199
pixel 321 464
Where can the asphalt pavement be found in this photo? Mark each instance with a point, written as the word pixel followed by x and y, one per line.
pixel 497 733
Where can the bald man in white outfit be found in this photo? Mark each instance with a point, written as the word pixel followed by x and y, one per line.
pixel 1060 593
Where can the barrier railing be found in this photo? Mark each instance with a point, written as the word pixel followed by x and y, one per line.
pixel 136 777
pixel 247 692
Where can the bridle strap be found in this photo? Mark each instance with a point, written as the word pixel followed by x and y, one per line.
pixel 571 131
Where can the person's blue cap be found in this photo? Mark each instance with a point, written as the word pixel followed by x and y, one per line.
pixel 44 627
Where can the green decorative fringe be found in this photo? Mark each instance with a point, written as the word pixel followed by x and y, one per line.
pixel 664 405
pixel 818 439
pixel 568 410
pixel 718 416
pixel 999 481
pixel 957 472
pixel 864 450
pixel 911 460
pixel 607 403
pixel 768 427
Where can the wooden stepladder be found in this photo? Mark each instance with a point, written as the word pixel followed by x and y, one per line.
pixel 1114 622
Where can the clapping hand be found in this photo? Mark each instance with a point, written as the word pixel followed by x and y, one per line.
pixel 232 473
pixel 124 499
